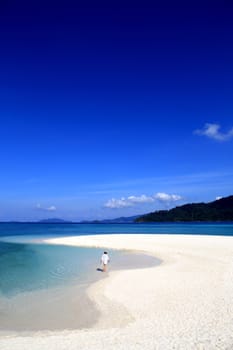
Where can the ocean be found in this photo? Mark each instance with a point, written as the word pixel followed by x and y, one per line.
pixel 43 286
pixel 53 230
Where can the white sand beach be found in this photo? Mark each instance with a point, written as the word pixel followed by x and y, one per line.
pixel 184 303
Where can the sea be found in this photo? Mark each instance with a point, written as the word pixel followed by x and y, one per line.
pixel 43 286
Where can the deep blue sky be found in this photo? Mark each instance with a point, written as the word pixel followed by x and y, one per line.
pixel 101 101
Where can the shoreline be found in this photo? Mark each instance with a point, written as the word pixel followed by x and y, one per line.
pixel 183 303
pixel 67 306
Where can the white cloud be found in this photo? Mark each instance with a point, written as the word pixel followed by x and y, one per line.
pixel 141 199
pixel 51 208
pixel 212 131
pixel 135 200
pixel 118 203
pixel 218 197
pixel 164 197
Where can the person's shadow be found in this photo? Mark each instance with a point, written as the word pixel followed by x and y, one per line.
pixel 99 269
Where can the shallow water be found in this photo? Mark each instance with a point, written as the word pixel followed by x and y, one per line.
pixel 43 287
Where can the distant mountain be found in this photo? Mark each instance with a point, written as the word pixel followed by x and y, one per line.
pixel 121 220
pixel 219 210
pixel 54 221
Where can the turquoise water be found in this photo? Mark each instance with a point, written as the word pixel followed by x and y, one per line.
pixel 43 286
pixel 25 266
pixel 32 274
pixel 29 267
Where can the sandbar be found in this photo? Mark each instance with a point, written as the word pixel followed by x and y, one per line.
pixel 183 303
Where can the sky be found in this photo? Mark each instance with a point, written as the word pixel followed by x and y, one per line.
pixel 113 108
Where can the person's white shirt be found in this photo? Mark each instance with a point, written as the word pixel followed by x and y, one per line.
pixel 105 259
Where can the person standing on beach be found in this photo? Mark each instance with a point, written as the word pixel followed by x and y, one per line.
pixel 105 260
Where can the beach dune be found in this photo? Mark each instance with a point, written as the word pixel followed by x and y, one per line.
pixel 183 303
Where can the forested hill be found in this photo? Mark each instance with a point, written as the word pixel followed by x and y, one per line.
pixel 219 210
